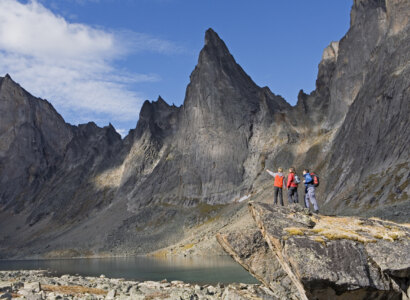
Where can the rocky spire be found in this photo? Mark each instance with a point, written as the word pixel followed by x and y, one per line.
pixel 219 87
pixel 219 82
pixel 156 116
pixel 215 50
pixel 215 61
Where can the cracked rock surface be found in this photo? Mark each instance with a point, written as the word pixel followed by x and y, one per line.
pixel 324 257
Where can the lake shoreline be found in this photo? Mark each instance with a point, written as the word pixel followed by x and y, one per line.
pixel 43 285
pixel 149 255
pixel 212 270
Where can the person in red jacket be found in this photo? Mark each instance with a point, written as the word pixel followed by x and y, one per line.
pixel 277 185
pixel 292 186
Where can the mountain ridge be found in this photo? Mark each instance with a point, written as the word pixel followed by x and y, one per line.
pixel 186 171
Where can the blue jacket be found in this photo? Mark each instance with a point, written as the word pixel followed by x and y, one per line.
pixel 308 180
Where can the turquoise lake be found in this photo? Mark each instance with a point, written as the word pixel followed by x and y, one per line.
pixel 203 270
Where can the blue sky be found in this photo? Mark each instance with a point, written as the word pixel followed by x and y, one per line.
pixel 98 60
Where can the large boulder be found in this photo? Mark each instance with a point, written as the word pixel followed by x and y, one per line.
pixel 324 257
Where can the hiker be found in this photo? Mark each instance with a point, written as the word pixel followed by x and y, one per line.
pixel 310 190
pixel 292 185
pixel 278 185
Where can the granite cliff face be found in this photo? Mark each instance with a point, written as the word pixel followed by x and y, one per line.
pixel 369 158
pixel 82 190
pixel 201 148
pixel 33 137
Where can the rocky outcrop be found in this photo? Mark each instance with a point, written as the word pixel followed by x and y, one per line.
pixel 324 257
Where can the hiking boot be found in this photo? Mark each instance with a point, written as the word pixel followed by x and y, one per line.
pixel 316 211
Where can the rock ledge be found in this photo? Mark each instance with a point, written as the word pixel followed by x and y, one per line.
pixel 303 256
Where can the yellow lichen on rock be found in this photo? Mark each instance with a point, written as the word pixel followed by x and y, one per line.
pixel 188 246
pixel 319 239
pixel 355 229
pixel 294 230
pixel 336 228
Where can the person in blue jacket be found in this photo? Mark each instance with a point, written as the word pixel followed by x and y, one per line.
pixel 310 191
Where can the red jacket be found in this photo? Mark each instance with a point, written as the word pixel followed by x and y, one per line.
pixel 291 181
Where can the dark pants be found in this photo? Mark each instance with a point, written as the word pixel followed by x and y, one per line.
pixel 276 191
pixel 293 195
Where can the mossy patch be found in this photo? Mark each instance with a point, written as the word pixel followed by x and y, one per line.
pixel 187 246
pixel 319 239
pixel 205 208
pixel 349 228
pixel 294 231
pixel 64 253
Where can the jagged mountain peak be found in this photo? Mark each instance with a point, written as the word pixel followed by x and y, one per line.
pixel 7 78
pixel 151 107
pixel 156 116
pixel 215 53
pixel 212 39
pixel 217 67
pixel 161 100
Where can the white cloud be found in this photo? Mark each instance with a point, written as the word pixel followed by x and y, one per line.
pixel 31 29
pixel 144 42
pixel 72 64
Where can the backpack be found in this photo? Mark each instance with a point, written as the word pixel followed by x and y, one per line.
pixel 297 179
pixel 278 181
pixel 315 179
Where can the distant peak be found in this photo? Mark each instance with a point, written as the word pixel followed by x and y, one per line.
pixel 9 81
pixel 214 49
pixel 161 100
pixel 213 39
pixel 211 35
pixel 91 124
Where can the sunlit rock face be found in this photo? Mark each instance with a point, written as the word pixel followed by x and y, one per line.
pixel 200 149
